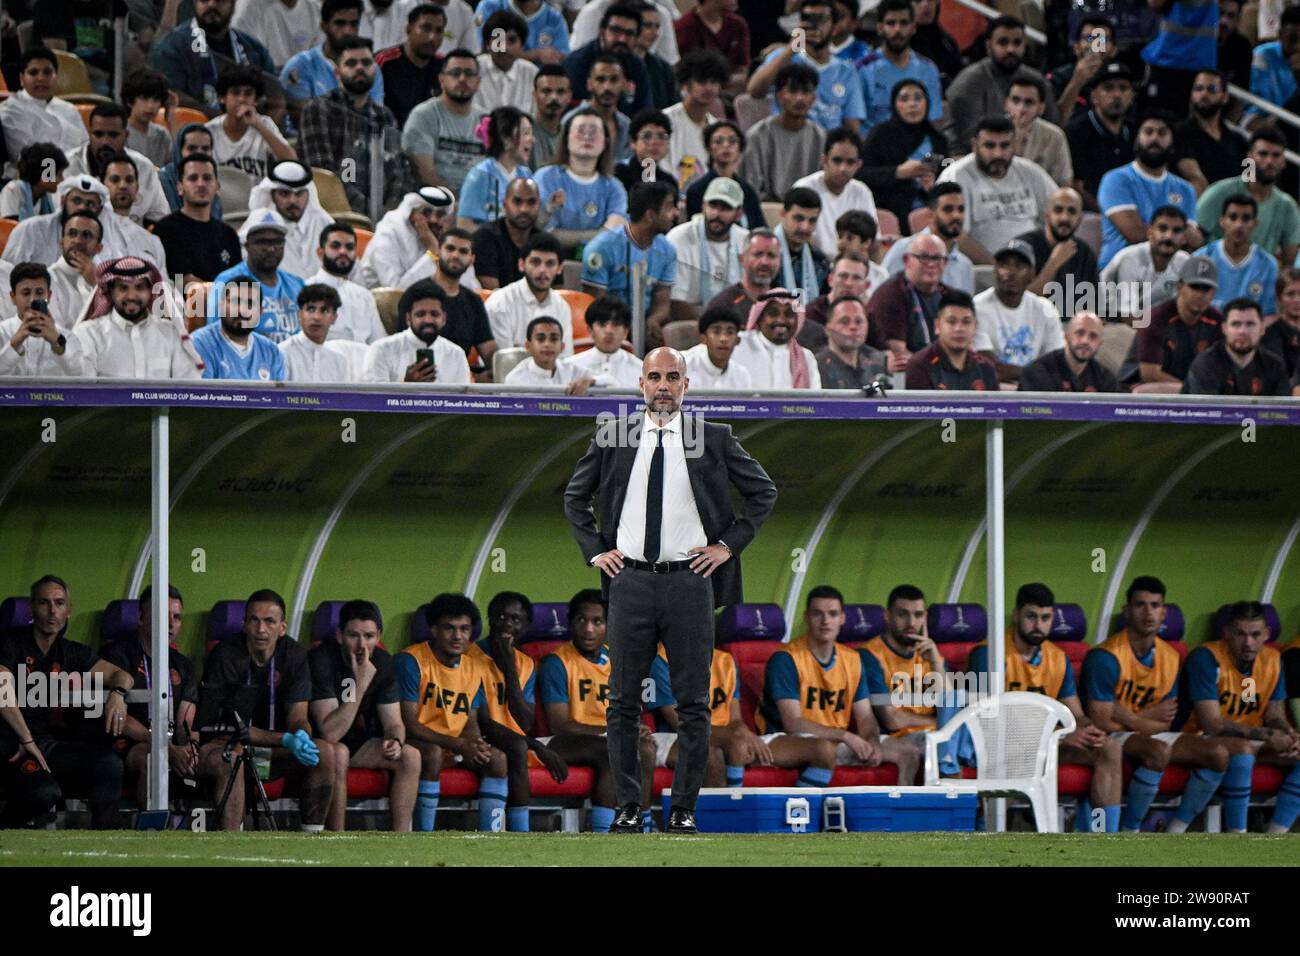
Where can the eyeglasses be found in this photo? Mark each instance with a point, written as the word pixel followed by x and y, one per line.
pixel 460 74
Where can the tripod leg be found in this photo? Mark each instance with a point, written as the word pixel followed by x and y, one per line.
pixel 261 802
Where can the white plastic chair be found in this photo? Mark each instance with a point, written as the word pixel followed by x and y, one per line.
pixel 504 362
pixel 1016 737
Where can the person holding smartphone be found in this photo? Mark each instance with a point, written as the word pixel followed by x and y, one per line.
pixel 30 342
pixel 419 353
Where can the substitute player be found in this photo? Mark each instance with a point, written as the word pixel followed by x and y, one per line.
pixel 354 709
pixel 1232 690
pixel 906 673
pixel 574 686
pixel 813 688
pixel 509 681
pixel 1130 687
pixel 441 696
pixel 1036 665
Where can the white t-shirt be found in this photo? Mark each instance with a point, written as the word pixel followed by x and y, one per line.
pixel 702 373
pixel 250 153
pixel 1131 273
pixel 1017 336
pixel 856 195
pixel 690 284
pixel 687 140
pixel 285 30
pixel 998 210
pixel 462 31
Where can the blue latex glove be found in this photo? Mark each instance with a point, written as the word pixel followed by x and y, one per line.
pixel 302 747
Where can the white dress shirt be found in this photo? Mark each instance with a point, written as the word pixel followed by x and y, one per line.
pixel 389 358
pixel 150 202
pixel 305 361
pixel 356 354
pixel 150 348
pixel 702 373
pixel 528 372
pixel 769 364
pixel 511 307
pixel 358 318
pixel 617 369
pixel 856 195
pixel 27 120
pixel 514 87
pixel 37 356
pixel 69 294
pixel 682 529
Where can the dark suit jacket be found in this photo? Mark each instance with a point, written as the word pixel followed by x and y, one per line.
pixel 603 473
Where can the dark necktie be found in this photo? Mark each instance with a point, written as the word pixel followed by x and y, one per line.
pixel 654 502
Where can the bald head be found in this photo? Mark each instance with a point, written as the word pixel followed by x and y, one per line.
pixel 1064 213
pixel 925 260
pixel 1083 335
pixel 663 382
pixel 521 205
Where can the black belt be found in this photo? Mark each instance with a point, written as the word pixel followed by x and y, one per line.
pixel 657 567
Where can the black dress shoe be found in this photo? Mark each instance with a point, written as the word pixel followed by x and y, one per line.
pixel 681 821
pixel 627 819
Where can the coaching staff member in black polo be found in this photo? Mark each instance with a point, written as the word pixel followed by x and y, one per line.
pixel 666 525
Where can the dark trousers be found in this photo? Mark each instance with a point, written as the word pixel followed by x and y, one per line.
pixel 644 610
pixel 77 769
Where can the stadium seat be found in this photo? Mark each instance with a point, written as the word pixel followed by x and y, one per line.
pixel 236 187
pixel 918 219
pixel 504 362
pixel 1173 629
pixel 334 199
pixel 15 614
pixel 363 239
pixel 862 622
pixel 887 227
pixel 325 620
pixel 85 109
pixel 752 633
pixel 681 334
pixel 366 784
pixel 550 623
pixel 73 81
pixel 182 116
pixel 421 632
pixel 570 276
pixel 1090 231
pixel 196 305
pixel 1073 780
pixel 956 628
pixel 578 303
pixel 121 619
pixel 6 227
pixel 482 293
pixel 1270 616
pixel 772 214
pixel 1070 633
pixel 225 620
pixel 750 109
pixel 386 299
pixel 983 278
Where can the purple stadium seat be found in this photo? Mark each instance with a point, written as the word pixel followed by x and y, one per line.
pixel 751 622
pixel 1069 624
pixel 957 623
pixel 225 620
pixel 325 620
pixel 550 622
pixel 121 619
pixel 1270 616
pixel 862 622
pixel 15 614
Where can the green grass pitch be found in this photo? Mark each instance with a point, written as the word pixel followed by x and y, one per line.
pixel 454 848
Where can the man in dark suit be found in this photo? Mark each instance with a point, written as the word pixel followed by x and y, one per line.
pixel 666 525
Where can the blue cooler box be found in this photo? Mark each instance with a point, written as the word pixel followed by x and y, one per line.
pixel 757 810
pixel 812 810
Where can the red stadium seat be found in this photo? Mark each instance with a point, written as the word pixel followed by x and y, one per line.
pixel 368 784
pixel 956 656
pixel 886 775
pixel 751 660
pixel 1073 780
pixel 1266 779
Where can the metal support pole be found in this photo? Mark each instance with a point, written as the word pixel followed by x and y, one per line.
pixel 120 41
pixel 996 538
pixel 637 285
pixel 376 197
pixel 160 614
